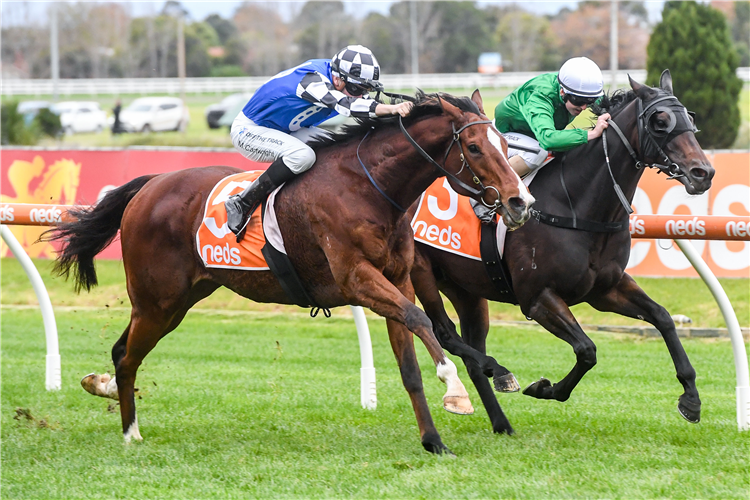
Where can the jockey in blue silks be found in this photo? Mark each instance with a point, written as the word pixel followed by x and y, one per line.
pixel 281 117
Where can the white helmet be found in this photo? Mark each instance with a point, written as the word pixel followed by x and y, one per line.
pixel 582 77
pixel 357 66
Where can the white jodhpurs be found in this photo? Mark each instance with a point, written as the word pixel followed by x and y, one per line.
pixel 528 149
pixel 263 144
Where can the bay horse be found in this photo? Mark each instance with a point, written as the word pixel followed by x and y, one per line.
pixel 345 234
pixel 552 268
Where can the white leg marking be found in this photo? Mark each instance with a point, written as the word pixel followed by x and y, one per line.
pixel 456 399
pixel 448 374
pixel 111 389
pixel 133 432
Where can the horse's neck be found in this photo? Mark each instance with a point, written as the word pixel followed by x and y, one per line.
pixel 402 173
pixel 588 183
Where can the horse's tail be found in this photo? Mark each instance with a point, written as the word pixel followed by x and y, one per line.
pixel 91 231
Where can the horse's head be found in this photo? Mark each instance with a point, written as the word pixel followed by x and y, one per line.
pixel 485 173
pixel 666 136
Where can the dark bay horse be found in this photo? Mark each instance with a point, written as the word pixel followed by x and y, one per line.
pixel 346 236
pixel 553 268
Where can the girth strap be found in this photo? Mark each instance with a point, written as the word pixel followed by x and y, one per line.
pixel 579 224
pixel 280 265
pixel 495 266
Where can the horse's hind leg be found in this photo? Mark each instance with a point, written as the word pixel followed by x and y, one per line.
pixel 147 326
pixel 628 299
pixel 552 313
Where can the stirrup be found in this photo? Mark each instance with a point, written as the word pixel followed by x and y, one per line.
pixel 243 229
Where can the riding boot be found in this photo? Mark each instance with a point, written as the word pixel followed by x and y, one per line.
pixel 241 206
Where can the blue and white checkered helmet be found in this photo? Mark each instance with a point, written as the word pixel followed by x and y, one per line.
pixel 357 66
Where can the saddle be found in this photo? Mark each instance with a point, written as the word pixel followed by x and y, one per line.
pixel 261 247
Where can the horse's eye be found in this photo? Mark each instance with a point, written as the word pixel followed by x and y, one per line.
pixel 473 149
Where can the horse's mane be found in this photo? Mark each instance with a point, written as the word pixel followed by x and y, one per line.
pixel 424 105
pixel 615 102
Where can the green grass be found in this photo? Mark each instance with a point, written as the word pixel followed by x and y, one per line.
pixel 246 406
pixel 693 300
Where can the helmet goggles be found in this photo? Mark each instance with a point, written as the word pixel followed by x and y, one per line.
pixel 577 100
pixel 357 86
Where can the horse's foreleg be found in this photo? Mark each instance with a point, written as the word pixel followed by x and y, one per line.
pixel 366 286
pixel 628 299
pixel 552 313
pixel 403 347
pixel 474 315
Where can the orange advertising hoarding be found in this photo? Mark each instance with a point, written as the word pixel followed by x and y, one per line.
pixel 70 177
pixel 729 196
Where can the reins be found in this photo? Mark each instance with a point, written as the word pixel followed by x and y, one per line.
pixel 441 168
pixel 671 169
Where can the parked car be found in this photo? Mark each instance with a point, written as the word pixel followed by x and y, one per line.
pixel 153 114
pixel 80 116
pixel 214 112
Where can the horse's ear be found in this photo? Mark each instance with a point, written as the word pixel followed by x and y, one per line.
pixel 665 82
pixel 642 91
pixel 449 109
pixel 477 98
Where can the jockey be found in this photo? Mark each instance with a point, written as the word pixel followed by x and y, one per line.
pixel 280 118
pixel 533 117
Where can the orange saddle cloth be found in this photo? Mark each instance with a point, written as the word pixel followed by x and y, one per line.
pixel 216 244
pixel 445 220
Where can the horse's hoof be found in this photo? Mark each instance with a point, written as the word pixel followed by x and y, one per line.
pixel 507 383
pixel 690 411
pixel 460 405
pixel 537 389
pixel 504 429
pixel 99 385
pixel 438 449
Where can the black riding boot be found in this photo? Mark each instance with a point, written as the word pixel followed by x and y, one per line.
pixel 241 206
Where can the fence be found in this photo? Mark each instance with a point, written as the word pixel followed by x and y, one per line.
pixel 148 86
pixel 654 226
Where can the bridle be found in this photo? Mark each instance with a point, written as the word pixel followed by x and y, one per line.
pixel 650 141
pixel 441 168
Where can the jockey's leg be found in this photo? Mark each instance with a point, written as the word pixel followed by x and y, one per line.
pixel 519 165
pixel 289 155
pixel 525 156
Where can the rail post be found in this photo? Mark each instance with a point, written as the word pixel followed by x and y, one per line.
pixel 53 377
pixel 735 333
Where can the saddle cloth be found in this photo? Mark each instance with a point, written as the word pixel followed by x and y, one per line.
pixel 445 220
pixel 217 245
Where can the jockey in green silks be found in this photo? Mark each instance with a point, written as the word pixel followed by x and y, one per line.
pixel 534 116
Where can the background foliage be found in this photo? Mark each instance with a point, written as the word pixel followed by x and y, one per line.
pixel 694 41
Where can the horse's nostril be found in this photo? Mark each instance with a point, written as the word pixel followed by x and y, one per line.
pixel 698 173
pixel 517 203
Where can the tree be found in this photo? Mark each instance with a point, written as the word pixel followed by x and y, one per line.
pixel 693 41
pixel 740 30
pixel 585 32
pixel 525 41
pixel 464 35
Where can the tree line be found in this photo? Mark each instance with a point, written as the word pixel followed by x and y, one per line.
pixel 100 40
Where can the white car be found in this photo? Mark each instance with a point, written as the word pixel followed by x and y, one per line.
pixel 80 116
pixel 152 114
